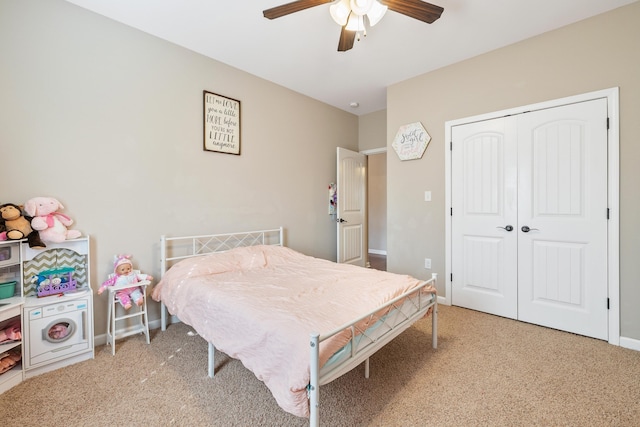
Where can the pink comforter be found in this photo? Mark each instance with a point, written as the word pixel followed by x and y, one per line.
pixel 259 304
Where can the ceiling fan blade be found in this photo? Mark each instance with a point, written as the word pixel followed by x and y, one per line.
pixel 347 38
pixel 416 9
pixel 294 6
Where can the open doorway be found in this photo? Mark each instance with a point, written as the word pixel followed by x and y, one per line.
pixel 377 209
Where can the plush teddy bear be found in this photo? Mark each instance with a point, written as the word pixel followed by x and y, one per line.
pixel 51 224
pixel 15 226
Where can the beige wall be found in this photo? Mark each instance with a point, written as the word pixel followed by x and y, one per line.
pixel 372 131
pixel 109 120
pixel 372 135
pixel 598 53
pixel 377 202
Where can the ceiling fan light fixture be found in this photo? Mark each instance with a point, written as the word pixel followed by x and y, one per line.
pixel 376 13
pixel 355 23
pixel 340 11
pixel 361 7
pixel 350 14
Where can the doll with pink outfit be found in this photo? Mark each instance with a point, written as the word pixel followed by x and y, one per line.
pixel 123 274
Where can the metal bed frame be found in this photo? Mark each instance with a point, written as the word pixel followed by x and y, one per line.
pixel 404 310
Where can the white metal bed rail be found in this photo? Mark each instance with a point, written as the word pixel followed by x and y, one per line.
pixel 413 300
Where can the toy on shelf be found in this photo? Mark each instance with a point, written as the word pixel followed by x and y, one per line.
pixel 16 226
pixel 11 332
pixel 50 224
pixel 123 274
pixel 58 281
pixel 9 359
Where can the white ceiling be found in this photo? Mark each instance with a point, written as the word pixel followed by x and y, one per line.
pixel 299 51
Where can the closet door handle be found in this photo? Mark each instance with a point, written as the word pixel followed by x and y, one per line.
pixel 526 229
pixel 508 228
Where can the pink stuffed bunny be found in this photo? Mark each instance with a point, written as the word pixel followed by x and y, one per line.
pixel 50 224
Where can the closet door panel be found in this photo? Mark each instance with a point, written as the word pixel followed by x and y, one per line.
pixel 485 188
pixel 562 193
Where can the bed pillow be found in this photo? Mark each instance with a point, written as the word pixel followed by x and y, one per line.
pixel 244 258
pixel 278 255
pixel 237 259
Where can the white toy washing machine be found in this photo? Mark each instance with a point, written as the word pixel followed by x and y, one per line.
pixel 58 330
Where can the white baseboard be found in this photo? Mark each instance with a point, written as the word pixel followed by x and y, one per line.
pixel 630 343
pixel 102 338
pixel 442 300
pixel 377 251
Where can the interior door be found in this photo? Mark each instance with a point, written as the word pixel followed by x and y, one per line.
pixel 484 217
pixel 562 194
pixel 529 219
pixel 352 206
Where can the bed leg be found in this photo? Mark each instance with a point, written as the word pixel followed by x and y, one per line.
pixel 163 317
pixel 434 315
pixel 366 368
pixel 212 357
pixel 314 381
pixel 434 326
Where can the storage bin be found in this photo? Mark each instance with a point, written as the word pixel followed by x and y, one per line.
pixel 7 289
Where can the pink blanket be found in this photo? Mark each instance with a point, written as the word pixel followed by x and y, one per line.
pixel 259 304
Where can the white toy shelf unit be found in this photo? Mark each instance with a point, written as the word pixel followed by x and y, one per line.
pixel 53 302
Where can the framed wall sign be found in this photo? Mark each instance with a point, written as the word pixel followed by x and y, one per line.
pixel 221 123
pixel 411 141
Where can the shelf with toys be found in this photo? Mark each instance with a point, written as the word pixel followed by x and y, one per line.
pixel 11 300
pixel 46 301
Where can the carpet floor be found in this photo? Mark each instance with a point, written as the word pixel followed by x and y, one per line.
pixel 487 371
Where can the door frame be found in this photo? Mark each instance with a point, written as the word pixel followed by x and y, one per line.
pixel 366 153
pixel 345 153
pixel 370 152
pixel 613 193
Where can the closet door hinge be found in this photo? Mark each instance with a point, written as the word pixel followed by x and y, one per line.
pixel 607 123
pixel 607 213
pixel 451 277
pixel 451 142
pixel 451 212
pixel 607 303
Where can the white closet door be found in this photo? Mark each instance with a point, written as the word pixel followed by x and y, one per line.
pixel 484 182
pixel 562 198
pixel 544 173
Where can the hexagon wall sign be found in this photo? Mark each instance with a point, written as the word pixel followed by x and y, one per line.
pixel 411 141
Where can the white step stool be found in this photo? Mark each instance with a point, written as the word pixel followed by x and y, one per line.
pixel 134 311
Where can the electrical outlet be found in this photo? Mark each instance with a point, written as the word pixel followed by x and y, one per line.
pixel 427 263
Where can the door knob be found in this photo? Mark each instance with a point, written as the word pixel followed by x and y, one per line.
pixel 508 228
pixel 341 220
pixel 526 229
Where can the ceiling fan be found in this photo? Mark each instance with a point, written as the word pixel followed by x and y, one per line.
pixel 350 14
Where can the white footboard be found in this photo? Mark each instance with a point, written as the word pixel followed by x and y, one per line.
pixel 406 310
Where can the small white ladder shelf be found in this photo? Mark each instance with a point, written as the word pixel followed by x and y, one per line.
pixel 135 311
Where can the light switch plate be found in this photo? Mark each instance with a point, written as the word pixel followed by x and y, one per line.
pixel 427 196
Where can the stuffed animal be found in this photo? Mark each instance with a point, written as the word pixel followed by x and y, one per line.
pixel 16 226
pixel 51 224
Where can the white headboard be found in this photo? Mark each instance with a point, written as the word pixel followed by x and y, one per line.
pixel 173 249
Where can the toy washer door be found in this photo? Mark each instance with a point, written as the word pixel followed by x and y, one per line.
pixel 59 331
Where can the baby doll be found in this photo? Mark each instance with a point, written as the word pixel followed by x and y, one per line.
pixel 124 275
